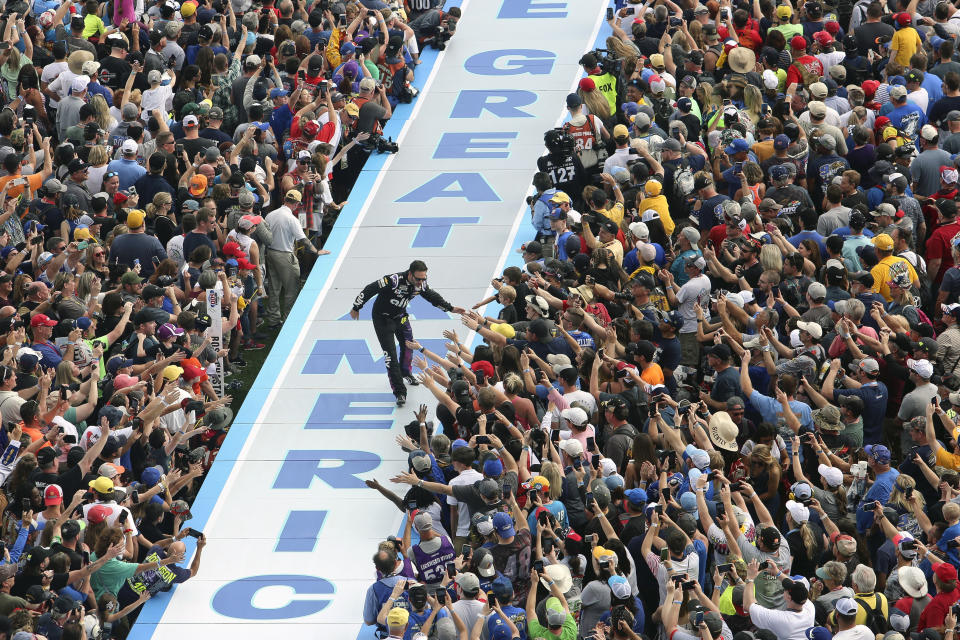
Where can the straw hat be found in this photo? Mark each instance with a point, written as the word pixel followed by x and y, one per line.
pixel 76 59
pixel 742 60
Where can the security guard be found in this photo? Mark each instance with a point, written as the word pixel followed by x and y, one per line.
pixel 390 320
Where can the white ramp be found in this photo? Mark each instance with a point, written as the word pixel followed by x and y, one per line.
pixel 291 527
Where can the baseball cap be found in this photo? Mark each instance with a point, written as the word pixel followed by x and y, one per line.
pixel 503 525
pixel 878 452
pixel 53 494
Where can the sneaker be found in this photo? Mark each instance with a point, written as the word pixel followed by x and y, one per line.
pixel 238 362
pixel 410 380
pixel 401 400
pixel 250 345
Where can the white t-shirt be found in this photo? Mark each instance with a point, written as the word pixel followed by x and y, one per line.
pixel 786 625
pixel 50 73
pixel 466 477
pixel 112 518
pixel 694 291
pixel 859 632
pixel 159 98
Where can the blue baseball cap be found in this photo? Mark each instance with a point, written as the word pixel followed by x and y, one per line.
pixel 503 525
pixel 818 633
pixel 636 497
pixel 688 501
pixel 502 588
pixel 737 145
pixel 492 468
pixel 779 172
pixel 459 442
pixel 878 452
pixel 347 48
pixel 151 476
pixel 630 108
pixel 781 142
pixel 685 104
pixel 278 92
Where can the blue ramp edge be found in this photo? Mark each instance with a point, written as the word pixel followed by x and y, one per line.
pixel 153 611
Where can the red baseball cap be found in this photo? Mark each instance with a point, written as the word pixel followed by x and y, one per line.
pixel 483 365
pixel 53 494
pixel 945 571
pixel 903 18
pixel 99 513
pixel 40 320
pixel 832 27
pixel 823 38
pixel 798 42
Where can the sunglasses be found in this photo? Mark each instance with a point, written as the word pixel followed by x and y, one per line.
pixel 110 174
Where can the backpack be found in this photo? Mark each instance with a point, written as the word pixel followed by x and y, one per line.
pixel 874 620
pixel 806 77
pixel 683 181
pixel 594 156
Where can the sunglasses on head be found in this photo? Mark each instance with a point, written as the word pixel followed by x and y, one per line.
pixel 110 174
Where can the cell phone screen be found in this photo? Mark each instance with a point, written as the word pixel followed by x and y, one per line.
pixel 591 443
pixel 483 440
pixel 609 14
pixel 555 435
pixel 595 461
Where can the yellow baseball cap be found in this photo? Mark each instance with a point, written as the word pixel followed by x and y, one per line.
pixel 172 372
pixel 397 617
pixel 102 485
pixel 656 61
pixel 82 233
pixel 620 131
pixel 653 187
pixel 503 329
pixel 883 242
pixel 294 195
pixel 187 9
pixel 559 198
pixel 135 219
pixel 352 110
pixel 784 12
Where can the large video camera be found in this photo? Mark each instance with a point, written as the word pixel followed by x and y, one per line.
pixel 443 32
pixel 559 141
pixel 378 143
pixel 608 61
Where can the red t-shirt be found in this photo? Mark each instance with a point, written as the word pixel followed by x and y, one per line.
pixel 812 65
pixel 935 612
pixel 717 235
pixel 938 246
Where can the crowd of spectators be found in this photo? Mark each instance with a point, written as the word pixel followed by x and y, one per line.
pixel 169 173
pixel 720 395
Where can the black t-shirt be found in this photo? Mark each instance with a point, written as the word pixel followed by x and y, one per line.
pixel 867 34
pixel 566 172
pixel 114 72
pixel 71 480
pixel 24 581
pixel 42 479
pixel 193 146
pixel 76 560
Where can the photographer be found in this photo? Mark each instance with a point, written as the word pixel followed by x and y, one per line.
pixel 151 582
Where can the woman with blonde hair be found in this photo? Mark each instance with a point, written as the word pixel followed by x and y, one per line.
pixel 594 102
pixel 96 265
pixel 765 476
pixel 101 113
pixel 88 284
pixel 751 184
pixel 67 375
pixel 552 472
pixel 98 159
pixel 160 211
pixel 752 101
pixel 70 306
pixel 770 258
